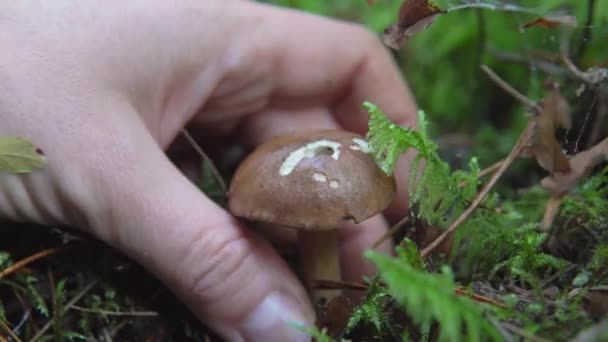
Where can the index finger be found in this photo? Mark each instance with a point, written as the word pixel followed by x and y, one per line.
pixel 322 61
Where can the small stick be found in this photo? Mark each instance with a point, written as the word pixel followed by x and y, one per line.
pixel 551 211
pixel 337 285
pixel 74 300
pixel 390 232
pixel 483 299
pixel 549 280
pixel 116 313
pixel 484 172
pixel 10 333
pixel 521 143
pixel 203 155
pixel 521 332
pixel 16 266
pixel 519 146
pixel 510 90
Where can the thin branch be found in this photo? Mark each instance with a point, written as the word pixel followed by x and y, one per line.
pixel 504 7
pixel 479 298
pixel 587 32
pixel 337 285
pixel 116 313
pixel 519 146
pixel 10 333
pixel 68 306
pixel 510 90
pixel 204 156
pixel 394 229
pixel 16 266
pixel 484 172
pixel 574 70
pixel 522 333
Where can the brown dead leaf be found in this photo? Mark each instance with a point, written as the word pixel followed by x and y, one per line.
pixel 335 316
pixel 414 16
pixel 551 211
pixel 552 22
pixel 596 302
pixel 543 145
pixel 425 234
pixel 582 163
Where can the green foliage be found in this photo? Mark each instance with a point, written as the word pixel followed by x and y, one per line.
pixel 430 297
pixel 58 303
pixel 209 184
pixel 320 335
pixel 31 284
pixel 2 312
pixel 433 187
pixel 372 310
pixel 407 251
pixel 590 206
pixel 529 262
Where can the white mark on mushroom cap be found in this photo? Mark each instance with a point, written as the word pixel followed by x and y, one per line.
pixel 334 184
pixel 319 177
pixel 360 145
pixel 309 151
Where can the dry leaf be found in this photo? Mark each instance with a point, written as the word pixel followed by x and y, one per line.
pixel 414 16
pixel 18 155
pixel 552 22
pixel 543 145
pixel 582 163
pixel 336 314
pixel 551 211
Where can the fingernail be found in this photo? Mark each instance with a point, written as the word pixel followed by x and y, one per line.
pixel 274 320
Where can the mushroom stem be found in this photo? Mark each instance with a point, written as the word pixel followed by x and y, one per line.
pixel 319 259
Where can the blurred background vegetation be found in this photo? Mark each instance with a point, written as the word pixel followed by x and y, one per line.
pixel 467 111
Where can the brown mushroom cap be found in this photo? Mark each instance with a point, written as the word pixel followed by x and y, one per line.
pixel 313 181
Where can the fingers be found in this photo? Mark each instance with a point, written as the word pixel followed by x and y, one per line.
pixel 322 63
pixel 231 279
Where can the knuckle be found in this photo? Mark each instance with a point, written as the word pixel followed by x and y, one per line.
pixel 222 255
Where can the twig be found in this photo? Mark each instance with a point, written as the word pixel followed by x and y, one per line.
pixel 551 211
pixel 521 332
pixel 519 146
pixel 115 329
pixel 8 330
pixel 16 266
pixel 549 280
pixel 337 285
pixel 68 306
pixel 484 172
pixel 586 30
pixel 116 313
pixel 494 7
pixel 204 156
pixel 483 299
pixel 512 91
pixel 391 232
pixel 574 70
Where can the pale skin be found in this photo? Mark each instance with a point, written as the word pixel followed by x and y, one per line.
pixel 103 88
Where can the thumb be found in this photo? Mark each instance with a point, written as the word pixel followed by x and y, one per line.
pixel 232 280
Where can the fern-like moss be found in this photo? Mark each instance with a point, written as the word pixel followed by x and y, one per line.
pixel 430 298
pixel 430 178
pixel 372 310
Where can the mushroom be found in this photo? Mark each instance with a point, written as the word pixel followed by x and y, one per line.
pixel 312 182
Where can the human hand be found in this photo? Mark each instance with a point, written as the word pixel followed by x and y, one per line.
pixel 105 87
